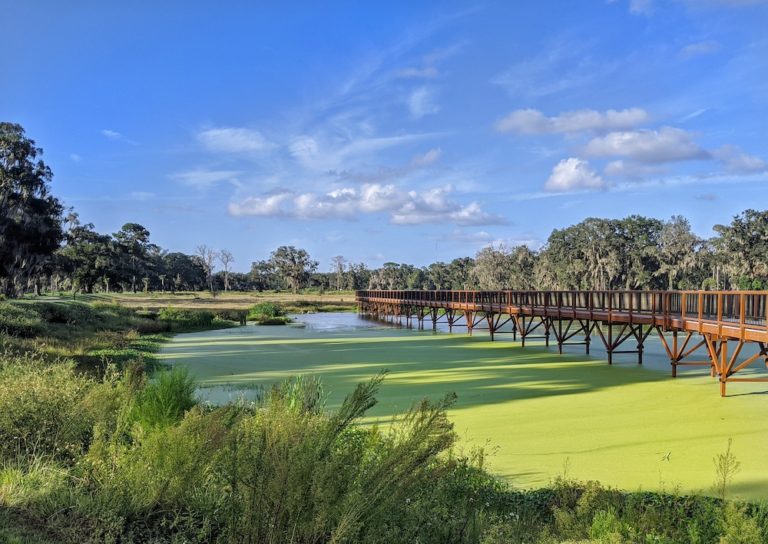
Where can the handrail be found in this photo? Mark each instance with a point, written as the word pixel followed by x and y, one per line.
pixel 731 309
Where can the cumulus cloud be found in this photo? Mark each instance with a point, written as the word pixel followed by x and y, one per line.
pixel 234 140
pixel 205 178
pixel 699 48
pixel 736 161
pixel 421 102
pixel 573 174
pixel 404 207
pixel 668 144
pixel 530 121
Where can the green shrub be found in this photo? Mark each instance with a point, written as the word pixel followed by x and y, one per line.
pixel 19 320
pixel 165 399
pixel 186 318
pixel 738 527
pixel 274 321
pixel 264 310
pixel 40 412
pixel 69 313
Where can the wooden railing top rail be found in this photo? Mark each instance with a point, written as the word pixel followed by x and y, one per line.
pixel 607 291
pixel 745 308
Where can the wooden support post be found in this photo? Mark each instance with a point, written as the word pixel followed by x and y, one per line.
pixel 674 353
pixel 609 345
pixel 587 336
pixel 723 364
pixel 468 317
pixel 490 319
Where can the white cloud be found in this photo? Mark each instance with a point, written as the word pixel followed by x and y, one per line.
pixel 111 134
pixel 421 102
pixel 234 140
pixel 268 206
pixel 699 48
pixel 629 169
pixel 667 144
pixel 735 160
pixel 428 158
pixel 116 136
pixel 205 178
pixel 530 121
pixel 573 174
pixel 75 157
pixel 404 207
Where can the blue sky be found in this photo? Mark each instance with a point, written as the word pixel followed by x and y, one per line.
pixel 403 131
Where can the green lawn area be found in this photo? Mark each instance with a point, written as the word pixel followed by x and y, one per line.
pixel 535 411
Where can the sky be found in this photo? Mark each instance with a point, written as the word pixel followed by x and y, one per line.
pixel 390 131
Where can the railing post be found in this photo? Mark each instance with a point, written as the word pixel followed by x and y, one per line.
pixel 701 311
pixel 742 317
pixel 683 306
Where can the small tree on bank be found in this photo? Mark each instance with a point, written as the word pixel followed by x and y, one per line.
pixel 226 259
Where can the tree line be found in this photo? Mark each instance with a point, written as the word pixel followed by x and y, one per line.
pixel 44 246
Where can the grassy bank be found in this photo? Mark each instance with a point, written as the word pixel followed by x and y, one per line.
pixel 303 302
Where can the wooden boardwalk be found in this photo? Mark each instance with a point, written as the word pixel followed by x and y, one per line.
pixel 717 324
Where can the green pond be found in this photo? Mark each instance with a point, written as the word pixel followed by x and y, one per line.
pixel 539 414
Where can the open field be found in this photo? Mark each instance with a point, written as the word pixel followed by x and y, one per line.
pixel 539 414
pixel 204 300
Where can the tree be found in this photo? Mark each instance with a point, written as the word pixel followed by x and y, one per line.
pixel 460 273
pixel 358 276
pixel 134 246
pixel 497 267
pixel 438 276
pixel 88 258
pixel 293 265
pixel 743 249
pixel 639 242
pixel 185 271
pixel 338 267
pixel 30 218
pixel 677 249
pixel 226 259
pixel 263 275
pixel 207 257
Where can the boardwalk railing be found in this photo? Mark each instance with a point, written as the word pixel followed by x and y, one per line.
pixel 716 316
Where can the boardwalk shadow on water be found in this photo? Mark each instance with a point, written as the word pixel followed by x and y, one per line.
pixel 420 365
